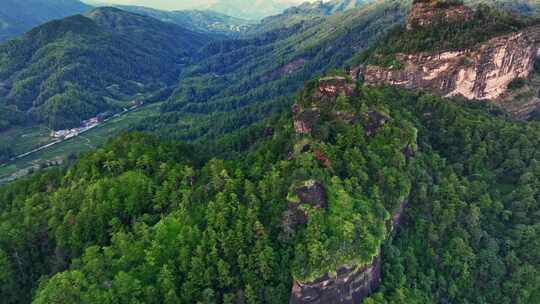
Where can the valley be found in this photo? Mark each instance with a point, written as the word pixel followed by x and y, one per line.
pixel 54 152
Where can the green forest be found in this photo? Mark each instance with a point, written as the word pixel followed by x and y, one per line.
pixel 69 70
pixel 141 220
pixel 252 179
pixel 104 60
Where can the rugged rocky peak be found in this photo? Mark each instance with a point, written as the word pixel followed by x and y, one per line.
pixel 308 193
pixel 350 285
pixel 375 120
pixel 432 12
pixel 313 193
pixel 334 86
pixel 480 55
pixel 351 282
pixel 326 92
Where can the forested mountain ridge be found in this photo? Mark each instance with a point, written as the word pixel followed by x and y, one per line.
pixel 283 51
pixel 345 193
pixel 17 17
pixel 68 70
pixel 277 56
pixel 42 89
pixel 300 195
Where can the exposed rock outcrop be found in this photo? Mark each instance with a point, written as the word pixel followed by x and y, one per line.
pixel 328 89
pixel 374 121
pixel 310 193
pixel 482 73
pixel 334 86
pixel 431 12
pixel 351 285
pixel 305 119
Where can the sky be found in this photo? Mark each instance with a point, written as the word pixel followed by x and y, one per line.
pixel 175 4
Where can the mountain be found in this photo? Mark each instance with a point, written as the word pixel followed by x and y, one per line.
pixel 253 10
pixel 390 195
pixel 17 17
pixel 205 21
pixel 71 69
pixel 27 88
pixel 352 191
pixel 236 82
pixel 453 50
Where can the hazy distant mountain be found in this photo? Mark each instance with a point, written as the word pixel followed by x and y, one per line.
pixel 205 21
pixel 251 9
pixel 19 16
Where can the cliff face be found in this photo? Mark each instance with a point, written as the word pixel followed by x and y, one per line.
pixel 480 73
pixel 305 119
pixel 350 285
pixel 431 12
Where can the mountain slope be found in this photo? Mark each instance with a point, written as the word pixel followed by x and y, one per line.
pixel 356 194
pixel 237 82
pixel 301 196
pixel 17 17
pixel 71 69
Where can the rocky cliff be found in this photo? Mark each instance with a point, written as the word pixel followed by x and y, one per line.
pixel 431 12
pixel 350 285
pixel 483 72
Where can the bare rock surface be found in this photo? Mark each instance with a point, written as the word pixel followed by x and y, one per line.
pixel 351 285
pixel 430 12
pixel 334 86
pixel 481 73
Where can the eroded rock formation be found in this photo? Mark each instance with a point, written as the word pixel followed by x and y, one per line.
pixel 328 89
pixel 432 12
pixel 312 193
pixel 334 86
pixel 305 120
pixel 350 285
pixel 482 73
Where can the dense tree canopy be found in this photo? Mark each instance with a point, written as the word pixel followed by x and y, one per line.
pixel 141 220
